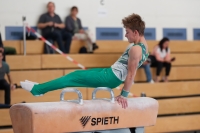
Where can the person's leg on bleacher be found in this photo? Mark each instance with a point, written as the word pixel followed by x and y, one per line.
pixel 159 66
pixel 6 87
pixel 98 77
pixel 83 36
pixel 58 37
pixel 147 71
pixel 67 38
pixel 49 37
pixel 167 70
pixel 48 49
pixel 91 39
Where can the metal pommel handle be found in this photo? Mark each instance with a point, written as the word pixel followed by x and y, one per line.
pixel 112 99
pixel 80 97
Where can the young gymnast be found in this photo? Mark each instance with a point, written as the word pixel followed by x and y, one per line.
pixel 123 70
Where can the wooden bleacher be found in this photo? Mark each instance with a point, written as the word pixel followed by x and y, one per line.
pixel 170 89
pixel 179 100
pixel 36 75
pixel 24 62
pixel 20 95
pixel 5 117
pixel 186 59
pixel 166 107
pixel 106 60
pixel 6 131
pixel 179 105
pixel 179 74
pixel 36 47
pixel 18 62
pixel 13 44
pixel 169 106
pixel 158 90
pixel 165 124
pixel 89 60
pixel 175 46
pixel 32 47
pixel 175 124
pixel 176 107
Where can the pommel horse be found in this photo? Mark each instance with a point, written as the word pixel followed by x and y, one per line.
pixel 83 115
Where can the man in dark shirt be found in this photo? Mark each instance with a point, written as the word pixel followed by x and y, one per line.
pixel 4 69
pixel 52 28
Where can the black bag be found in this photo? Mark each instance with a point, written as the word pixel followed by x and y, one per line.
pixel 31 36
pixel 83 50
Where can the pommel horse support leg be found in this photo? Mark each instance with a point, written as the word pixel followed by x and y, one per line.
pixel 80 116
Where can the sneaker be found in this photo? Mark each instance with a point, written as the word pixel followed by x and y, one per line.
pixel 95 46
pixel 151 82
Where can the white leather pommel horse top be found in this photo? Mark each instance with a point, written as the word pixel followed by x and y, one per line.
pixel 82 115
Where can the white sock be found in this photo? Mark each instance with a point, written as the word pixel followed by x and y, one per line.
pixel 27 85
pixel 38 95
pixel 31 82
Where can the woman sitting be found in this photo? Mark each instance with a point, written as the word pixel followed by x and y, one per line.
pixel 73 25
pixel 160 58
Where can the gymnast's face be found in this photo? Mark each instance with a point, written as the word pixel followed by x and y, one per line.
pixel 131 35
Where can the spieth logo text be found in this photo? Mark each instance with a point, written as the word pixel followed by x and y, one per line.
pixel 99 121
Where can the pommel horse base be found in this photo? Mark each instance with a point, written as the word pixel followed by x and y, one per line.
pixel 82 115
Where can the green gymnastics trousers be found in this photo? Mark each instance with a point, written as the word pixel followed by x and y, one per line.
pixel 98 77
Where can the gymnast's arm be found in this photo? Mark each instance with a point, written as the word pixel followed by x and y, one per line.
pixel 135 54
